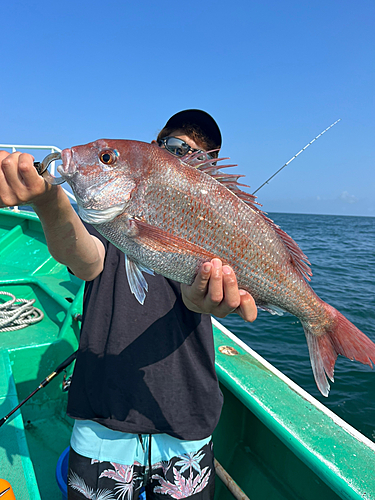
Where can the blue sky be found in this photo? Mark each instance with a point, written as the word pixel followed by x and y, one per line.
pixel 274 74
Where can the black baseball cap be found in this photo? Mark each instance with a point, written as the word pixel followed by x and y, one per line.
pixel 197 117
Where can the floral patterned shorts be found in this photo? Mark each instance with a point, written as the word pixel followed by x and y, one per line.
pixel 181 477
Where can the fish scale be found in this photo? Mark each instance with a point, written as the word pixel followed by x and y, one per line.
pixel 233 243
pixel 170 215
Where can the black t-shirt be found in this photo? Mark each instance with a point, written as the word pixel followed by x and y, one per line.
pixel 144 369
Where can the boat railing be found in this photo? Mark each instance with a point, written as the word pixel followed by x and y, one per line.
pixel 50 149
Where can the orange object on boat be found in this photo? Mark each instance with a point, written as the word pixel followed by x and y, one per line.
pixel 6 491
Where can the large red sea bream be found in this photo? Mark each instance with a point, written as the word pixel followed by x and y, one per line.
pixel 170 215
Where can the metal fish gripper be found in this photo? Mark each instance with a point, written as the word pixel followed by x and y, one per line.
pixel 42 168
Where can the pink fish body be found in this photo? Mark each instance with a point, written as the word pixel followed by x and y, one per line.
pixel 170 215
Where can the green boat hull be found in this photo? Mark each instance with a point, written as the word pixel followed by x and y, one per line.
pixel 274 439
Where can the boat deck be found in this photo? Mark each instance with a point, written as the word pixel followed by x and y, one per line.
pixel 31 442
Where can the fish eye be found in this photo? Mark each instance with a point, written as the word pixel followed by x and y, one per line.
pixel 108 157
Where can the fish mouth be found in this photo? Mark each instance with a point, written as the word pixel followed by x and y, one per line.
pixel 66 169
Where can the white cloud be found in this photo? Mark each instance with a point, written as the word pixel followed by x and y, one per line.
pixel 348 198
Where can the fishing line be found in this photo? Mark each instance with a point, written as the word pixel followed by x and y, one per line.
pixel 295 156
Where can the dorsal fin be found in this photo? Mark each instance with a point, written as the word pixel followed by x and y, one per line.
pixel 208 165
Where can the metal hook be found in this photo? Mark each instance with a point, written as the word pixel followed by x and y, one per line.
pixel 42 167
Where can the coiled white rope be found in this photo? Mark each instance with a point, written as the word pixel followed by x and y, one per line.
pixel 18 313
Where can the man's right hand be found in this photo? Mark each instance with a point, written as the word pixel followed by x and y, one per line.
pixel 20 183
pixel 68 240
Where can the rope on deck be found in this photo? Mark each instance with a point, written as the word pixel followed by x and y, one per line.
pixel 18 313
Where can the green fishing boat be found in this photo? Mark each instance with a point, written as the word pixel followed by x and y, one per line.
pixel 274 439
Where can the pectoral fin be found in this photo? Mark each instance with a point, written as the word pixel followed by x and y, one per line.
pixel 156 240
pixel 161 241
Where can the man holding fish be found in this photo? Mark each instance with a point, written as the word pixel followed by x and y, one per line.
pixel 144 394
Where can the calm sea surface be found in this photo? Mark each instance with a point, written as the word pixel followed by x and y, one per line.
pixel 341 250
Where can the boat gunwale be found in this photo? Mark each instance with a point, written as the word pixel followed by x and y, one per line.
pixel 296 388
pixel 338 470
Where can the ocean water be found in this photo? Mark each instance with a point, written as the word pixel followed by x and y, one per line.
pixel 341 250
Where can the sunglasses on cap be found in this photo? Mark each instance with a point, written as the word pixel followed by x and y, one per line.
pixel 178 147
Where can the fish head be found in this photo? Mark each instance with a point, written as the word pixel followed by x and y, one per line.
pixel 102 175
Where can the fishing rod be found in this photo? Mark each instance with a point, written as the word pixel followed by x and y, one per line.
pixel 295 156
pixel 45 382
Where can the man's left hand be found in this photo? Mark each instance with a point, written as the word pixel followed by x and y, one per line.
pixel 215 291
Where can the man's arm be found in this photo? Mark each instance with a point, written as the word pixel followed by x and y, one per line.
pixel 67 238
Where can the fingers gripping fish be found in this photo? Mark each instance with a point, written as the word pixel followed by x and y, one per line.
pixel 169 215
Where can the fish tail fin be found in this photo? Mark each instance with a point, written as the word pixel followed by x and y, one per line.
pixel 337 336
